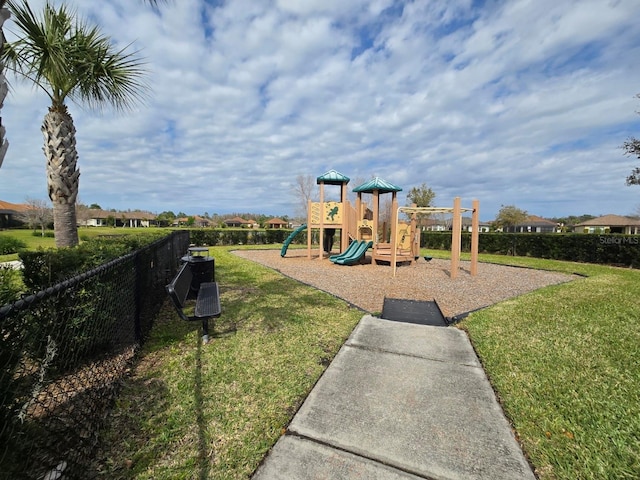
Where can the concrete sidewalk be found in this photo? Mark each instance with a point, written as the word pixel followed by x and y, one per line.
pixel 399 401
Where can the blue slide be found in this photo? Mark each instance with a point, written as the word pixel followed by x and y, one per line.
pixel 357 255
pixel 290 238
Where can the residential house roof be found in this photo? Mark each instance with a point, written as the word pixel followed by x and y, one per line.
pixel 238 220
pixel 197 220
pixel 610 220
pixel 276 221
pixel 137 215
pixel 534 220
pixel 8 207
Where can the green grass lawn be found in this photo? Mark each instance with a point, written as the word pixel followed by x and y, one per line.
pixel 31 241
pixel 213 411
pixel 564 361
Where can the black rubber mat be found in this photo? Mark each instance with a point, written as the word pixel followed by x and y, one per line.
pixel 413 311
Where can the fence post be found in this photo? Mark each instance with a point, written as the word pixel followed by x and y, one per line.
pixel 137 296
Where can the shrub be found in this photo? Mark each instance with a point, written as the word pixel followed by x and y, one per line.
pixel 10 285
pixel 78 318
pixel 245 236
pixel 77 313
pixel 10 245
pixel 46 267
pixel 277 235
pixel 612 249
pixel 46 234
pixel 205 237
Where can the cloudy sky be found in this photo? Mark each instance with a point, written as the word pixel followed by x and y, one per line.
pixel 514 102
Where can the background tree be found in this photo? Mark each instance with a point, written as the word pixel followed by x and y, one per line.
pixel 367 200
pixel 68 59
pixel 444 219
pixel 510 216
pixel 422 196
pixel 634 178
pixel 384 217
pixel 569 221
pixel 304 190
pixel 83 213
pixel 165 218
pixel 632 148
pixel 38 214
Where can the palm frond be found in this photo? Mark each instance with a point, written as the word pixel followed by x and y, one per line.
pixel 105 75
pixel 67 58
pixel 39 54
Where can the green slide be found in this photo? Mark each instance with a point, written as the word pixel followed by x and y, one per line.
pixel 349 250
pixel 290 238
pixel 357 255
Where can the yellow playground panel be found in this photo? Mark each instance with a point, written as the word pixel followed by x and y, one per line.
pixel 365 230
pixel 332 213
pixel 404 236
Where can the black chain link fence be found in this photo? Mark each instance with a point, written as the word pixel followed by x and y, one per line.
pixel 63 354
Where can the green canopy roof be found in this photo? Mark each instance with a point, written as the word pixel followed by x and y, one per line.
pixel 332 178
pixel 377 184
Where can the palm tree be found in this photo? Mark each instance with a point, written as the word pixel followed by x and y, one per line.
pixel 68 59
pixel 4 16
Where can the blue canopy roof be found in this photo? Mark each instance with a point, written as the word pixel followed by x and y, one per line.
pixel 377 184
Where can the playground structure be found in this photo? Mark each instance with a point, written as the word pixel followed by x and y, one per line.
pixel 335 215
pixel 403 242
pixel 399 245
pixel 456 232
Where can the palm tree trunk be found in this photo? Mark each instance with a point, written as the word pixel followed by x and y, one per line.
pixel 4 15
pixel 64 225
pixel 62 173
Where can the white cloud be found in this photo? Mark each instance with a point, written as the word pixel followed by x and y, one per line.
pixel 521 102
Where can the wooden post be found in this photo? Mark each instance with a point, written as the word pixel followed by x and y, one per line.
pixel 321 220
pixel 376 213
pixel 346 213
pixel 394 231
pixel 415 241
pixel 475 237
pixel 359 215
pixel 309 230
pixel 455 238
